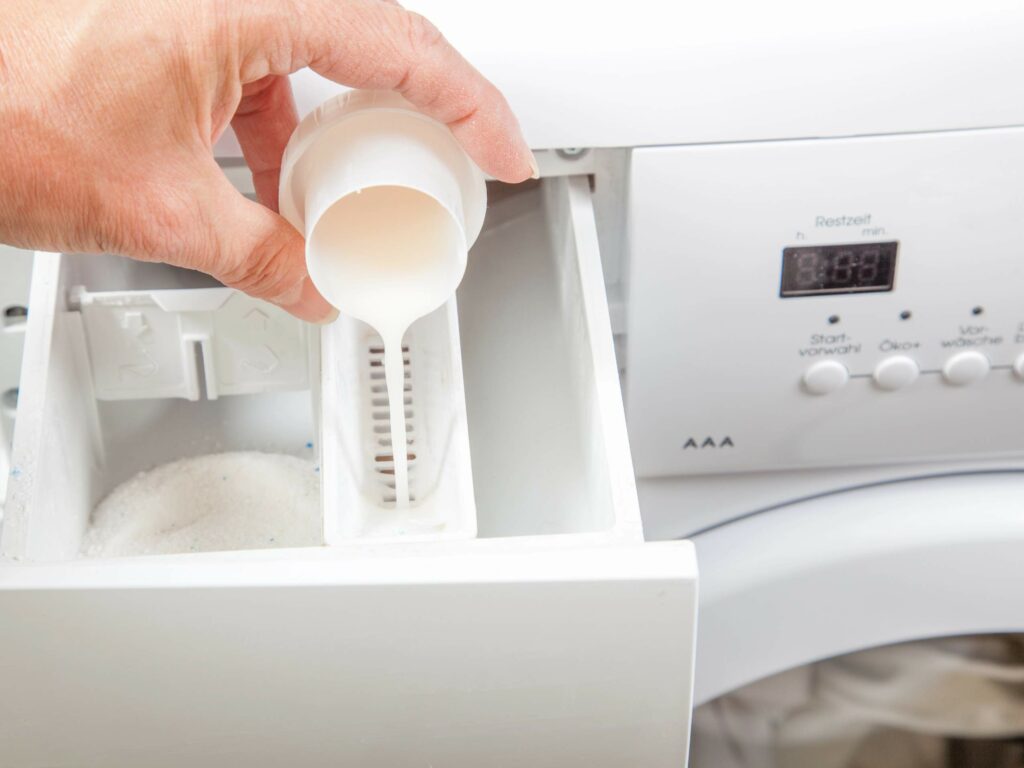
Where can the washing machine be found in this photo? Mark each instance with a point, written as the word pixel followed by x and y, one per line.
pixel 743 375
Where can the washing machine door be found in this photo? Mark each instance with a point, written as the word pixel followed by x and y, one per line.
pixel 859 569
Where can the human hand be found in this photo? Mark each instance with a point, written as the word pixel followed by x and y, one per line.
pixel 109 110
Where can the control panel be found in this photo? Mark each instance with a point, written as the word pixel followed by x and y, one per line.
pixel 824 303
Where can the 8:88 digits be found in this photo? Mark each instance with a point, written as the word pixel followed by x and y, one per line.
pixel 836 269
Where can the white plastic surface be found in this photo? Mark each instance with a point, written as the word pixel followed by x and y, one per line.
pixel 147 344
pixel 583 74
pixel 857 570
pixel 16 269
pixel 569 658
pixel 708 228
pixel 685 505
pixel 550 451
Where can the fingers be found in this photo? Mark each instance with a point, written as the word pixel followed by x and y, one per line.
pixel 263 122
pixel 258 252
pixel 372 44
pixel 199 221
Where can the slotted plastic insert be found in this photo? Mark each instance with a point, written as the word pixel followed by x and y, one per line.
pixel 357 451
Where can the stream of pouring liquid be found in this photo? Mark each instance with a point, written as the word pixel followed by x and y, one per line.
pixel 390 251
pixel 394 377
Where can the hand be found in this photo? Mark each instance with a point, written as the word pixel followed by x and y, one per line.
pixel 109 110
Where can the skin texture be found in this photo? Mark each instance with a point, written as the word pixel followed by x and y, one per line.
pixel 109 110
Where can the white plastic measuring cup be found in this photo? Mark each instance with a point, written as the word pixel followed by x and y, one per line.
pixel 388 201
pixel 389 204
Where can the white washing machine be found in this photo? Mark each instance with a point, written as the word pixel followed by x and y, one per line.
pixel 809 222
pixel 849 445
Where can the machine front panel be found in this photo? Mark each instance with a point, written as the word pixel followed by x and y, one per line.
pixel 826 303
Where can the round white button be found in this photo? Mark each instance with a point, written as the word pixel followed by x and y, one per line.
pixel 825 377
pixel 1018 366
pixel 965 367
pixel 895 372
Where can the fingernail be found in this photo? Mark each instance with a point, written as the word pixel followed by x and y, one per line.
pixel 312 306
pixel 330 318
pixel 534 167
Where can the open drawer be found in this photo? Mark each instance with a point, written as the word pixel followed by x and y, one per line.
pixel 15 268
pixel 554 636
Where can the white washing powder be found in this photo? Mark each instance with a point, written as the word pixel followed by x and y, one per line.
pixel 222 501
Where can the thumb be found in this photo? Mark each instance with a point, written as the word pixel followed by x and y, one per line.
pixel 372 44
pixel 258 252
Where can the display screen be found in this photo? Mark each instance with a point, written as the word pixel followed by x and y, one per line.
pixel 821 269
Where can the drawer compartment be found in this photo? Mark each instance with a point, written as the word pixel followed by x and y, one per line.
pixel 131 366
pixel 554 636
pixel 128 369
pixel 16 268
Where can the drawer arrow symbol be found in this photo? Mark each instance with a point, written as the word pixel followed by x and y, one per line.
pixel 140 370
pixel 268 363
pixel 257 317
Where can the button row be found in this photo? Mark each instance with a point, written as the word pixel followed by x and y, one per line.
pixel 899 371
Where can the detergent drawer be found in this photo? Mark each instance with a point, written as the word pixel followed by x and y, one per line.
pixel 14 287
pixel 545 633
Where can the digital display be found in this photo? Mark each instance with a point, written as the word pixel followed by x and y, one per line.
pixel 823 269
